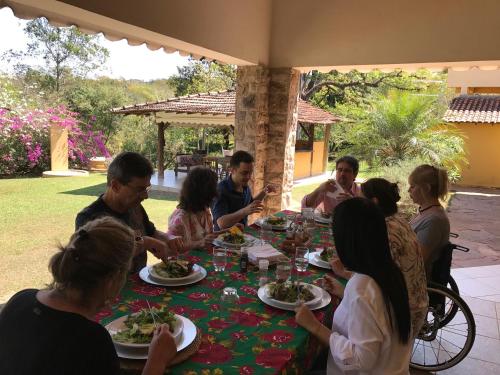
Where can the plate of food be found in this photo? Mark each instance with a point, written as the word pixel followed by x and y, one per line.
pixel 148 275
pixel 271 295
pixel 323 257
pixel 132 334
pixel 276 222
pixel 234 238
pixel 174 269
pixel 323 217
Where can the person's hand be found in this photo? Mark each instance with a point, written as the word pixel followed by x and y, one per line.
pixel 254 207
pixel 339 269
pixel 328 185
pixel 157 247
pixel 162 349
pixel 305 318
pixel 175 246
pixel 210 237
pixel 333 286
pixel 343 196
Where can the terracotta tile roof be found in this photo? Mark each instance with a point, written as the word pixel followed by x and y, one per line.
pixel 474 108
pixel 216 103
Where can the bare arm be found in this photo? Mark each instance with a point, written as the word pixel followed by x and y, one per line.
pixel 231 219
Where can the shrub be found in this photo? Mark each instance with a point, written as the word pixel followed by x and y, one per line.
pixel 25 140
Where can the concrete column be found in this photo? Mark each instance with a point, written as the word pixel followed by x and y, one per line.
pixel 266 125
pixel 58 148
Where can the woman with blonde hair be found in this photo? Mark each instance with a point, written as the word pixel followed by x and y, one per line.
pixel 52 331
pixel 429 185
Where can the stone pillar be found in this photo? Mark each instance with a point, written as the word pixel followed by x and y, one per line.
pixel 265 126
pixel 58 148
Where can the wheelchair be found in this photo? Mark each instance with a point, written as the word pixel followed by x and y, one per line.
pixel 449 329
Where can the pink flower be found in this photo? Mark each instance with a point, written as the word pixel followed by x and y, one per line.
pixel 249 290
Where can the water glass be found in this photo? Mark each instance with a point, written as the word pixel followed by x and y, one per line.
pixel 266 233
pixel 301 258
pixel 220 259
pixel 263 267
pixel 283 271
pixel 229 301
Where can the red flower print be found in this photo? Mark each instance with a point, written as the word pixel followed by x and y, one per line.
pixel 214 307
pixel 218 324
pixel 239 336
pixel 244 300
pixel 274 311
pixel 197 314
pixel 211 354
pixel 278 336
pixel 214 284
pixel 148 290
pixel 238 276
pixel 273 357
pixel 291 322
pixel 249 290
pixel 199 296
pixel 192 259
pixel 180 310
pixel 102 314
pixel 246 370
pixel 246 318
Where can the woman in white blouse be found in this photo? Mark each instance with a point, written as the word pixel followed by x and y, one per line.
pixel 371 327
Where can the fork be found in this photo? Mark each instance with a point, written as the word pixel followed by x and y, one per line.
pixel 152 315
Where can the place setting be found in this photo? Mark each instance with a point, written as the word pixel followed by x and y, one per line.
pixel 173 272
pixel 321 258
pixel 234 239
pixel 286 294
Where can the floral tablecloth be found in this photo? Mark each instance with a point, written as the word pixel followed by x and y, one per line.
pixel 252 338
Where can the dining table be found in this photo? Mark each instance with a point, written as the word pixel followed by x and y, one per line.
pixel 250 337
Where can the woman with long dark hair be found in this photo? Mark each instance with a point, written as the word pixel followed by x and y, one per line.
pixel 192 219
pixel 371 327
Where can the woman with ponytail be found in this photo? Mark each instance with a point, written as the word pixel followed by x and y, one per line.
pixel 371 330
pixel 52 331
pixel 429 185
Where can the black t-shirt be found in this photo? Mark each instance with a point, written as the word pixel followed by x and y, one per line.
pixel 136 218
pixel 37 339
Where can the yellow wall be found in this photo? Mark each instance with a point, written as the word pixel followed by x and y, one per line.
pixel 302 164
pixel 482 144
pixel 318 158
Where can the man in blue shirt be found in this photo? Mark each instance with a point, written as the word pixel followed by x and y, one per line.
pixel 235 202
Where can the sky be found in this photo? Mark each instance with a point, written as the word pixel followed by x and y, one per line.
pixel 129 62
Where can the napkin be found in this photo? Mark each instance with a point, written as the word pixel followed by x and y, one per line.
pixel 265 251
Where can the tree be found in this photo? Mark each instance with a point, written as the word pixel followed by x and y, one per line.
pixel 65 50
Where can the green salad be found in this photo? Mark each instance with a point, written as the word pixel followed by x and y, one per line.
pixel 236 238
pixel 327 254
pixel 140 326
pixel 287 291
pixel 173 268
pixel 276 220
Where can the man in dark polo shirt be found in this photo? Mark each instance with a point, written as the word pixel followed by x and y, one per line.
pixel 128 183
pixel 235 202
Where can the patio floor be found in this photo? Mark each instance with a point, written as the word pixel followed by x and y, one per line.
pixel 480 288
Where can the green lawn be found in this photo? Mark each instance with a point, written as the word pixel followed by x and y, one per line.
pixel 38 213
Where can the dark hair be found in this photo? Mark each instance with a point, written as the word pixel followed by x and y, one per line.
pixel 240 157
pixel 362 244
pixel 351 160
pixel 387 194
pixel 435 178
pixel 128 165
pixel 198 190
pixel 99 249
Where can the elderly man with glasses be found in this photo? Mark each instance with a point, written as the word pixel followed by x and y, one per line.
pixel 128 184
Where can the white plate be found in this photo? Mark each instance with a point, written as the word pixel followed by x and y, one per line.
pixel 186 338
pixel 145 276
pixel 119 324
pixel 325 300
pixel 315 259
pixel 160 279
pixel 249 240
pixel 321 219
pixel 316 291
pixel 273 227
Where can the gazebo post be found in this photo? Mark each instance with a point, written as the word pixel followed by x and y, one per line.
pixel 161 146
pixel 327 146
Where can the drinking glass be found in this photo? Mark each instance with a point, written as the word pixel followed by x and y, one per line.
pixel 283 271
pixel 229 300
pixel 266 233
pixel 301 258
pixel 220 259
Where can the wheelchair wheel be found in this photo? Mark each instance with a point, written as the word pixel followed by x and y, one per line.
pixel 438 347
pixel 451 308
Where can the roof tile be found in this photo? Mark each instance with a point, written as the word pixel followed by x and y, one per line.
pixel 474 108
